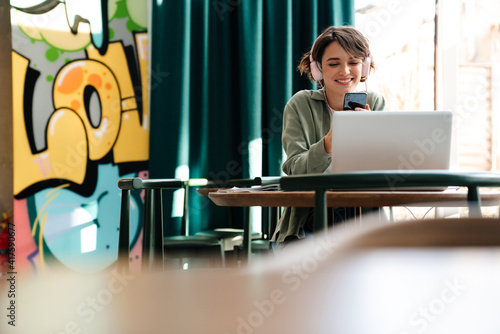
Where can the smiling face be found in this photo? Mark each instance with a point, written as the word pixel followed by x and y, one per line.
pixel 341 72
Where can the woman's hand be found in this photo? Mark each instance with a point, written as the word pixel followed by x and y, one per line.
pixel 328 137
pixel 367 108
pixel 328 142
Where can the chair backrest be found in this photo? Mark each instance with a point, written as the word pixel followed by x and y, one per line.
pixel 152 244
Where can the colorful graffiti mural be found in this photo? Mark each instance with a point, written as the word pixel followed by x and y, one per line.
pixel 80 72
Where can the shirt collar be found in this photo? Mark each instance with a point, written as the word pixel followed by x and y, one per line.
pixel 318 95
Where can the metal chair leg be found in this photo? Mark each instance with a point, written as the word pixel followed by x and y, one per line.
pixel 147 236
pixel 158 230
pixel 124 233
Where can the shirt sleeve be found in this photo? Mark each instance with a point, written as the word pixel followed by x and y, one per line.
pixel 304 154
pixel 377 102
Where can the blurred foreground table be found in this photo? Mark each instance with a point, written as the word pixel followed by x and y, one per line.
pixel 376 292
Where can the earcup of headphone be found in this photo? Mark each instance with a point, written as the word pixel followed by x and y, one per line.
pixel 366 66
pixel 315 71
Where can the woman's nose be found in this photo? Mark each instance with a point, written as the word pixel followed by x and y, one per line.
pixel 344 69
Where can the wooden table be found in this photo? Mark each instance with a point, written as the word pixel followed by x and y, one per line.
pixel 453 197
pixel 447 198
pixel 376 291
pixel 456 197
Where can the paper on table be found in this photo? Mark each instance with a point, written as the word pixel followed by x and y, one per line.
pixel 269 187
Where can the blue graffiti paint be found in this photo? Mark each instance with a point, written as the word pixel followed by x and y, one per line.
pixel 82 232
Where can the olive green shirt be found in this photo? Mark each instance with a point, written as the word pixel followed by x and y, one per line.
pixel 306 121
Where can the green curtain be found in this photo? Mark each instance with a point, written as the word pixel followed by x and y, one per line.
pixel 221 73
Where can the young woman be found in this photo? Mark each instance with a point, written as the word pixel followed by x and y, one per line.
pixel 338 61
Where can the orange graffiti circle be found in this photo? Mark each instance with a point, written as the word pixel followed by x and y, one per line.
pixel 70 79
pixel 95 80
pixel 75 105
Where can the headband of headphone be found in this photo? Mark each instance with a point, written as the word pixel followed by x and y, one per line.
pixel 317 74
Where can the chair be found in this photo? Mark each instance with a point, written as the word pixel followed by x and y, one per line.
pixel 390 180
pixel 228 236
pixel 156 248
pixel 243 240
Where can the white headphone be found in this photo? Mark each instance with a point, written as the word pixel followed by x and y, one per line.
pixel 317 74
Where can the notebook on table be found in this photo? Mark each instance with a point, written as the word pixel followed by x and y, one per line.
pixel 391 140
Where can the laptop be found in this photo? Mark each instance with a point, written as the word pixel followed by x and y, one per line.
pixel 390 140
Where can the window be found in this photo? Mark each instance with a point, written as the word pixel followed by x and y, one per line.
pixel 447 61
pixel 401 35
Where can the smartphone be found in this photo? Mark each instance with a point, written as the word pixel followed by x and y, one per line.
pixel 354 100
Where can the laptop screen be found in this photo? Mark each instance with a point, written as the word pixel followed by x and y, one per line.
pixel 390 140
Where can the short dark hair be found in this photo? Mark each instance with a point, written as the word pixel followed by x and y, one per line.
pixel 351 40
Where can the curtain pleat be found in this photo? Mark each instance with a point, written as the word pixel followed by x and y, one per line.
pixel 231 68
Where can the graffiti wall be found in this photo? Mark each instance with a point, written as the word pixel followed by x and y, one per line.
pixel 80 118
